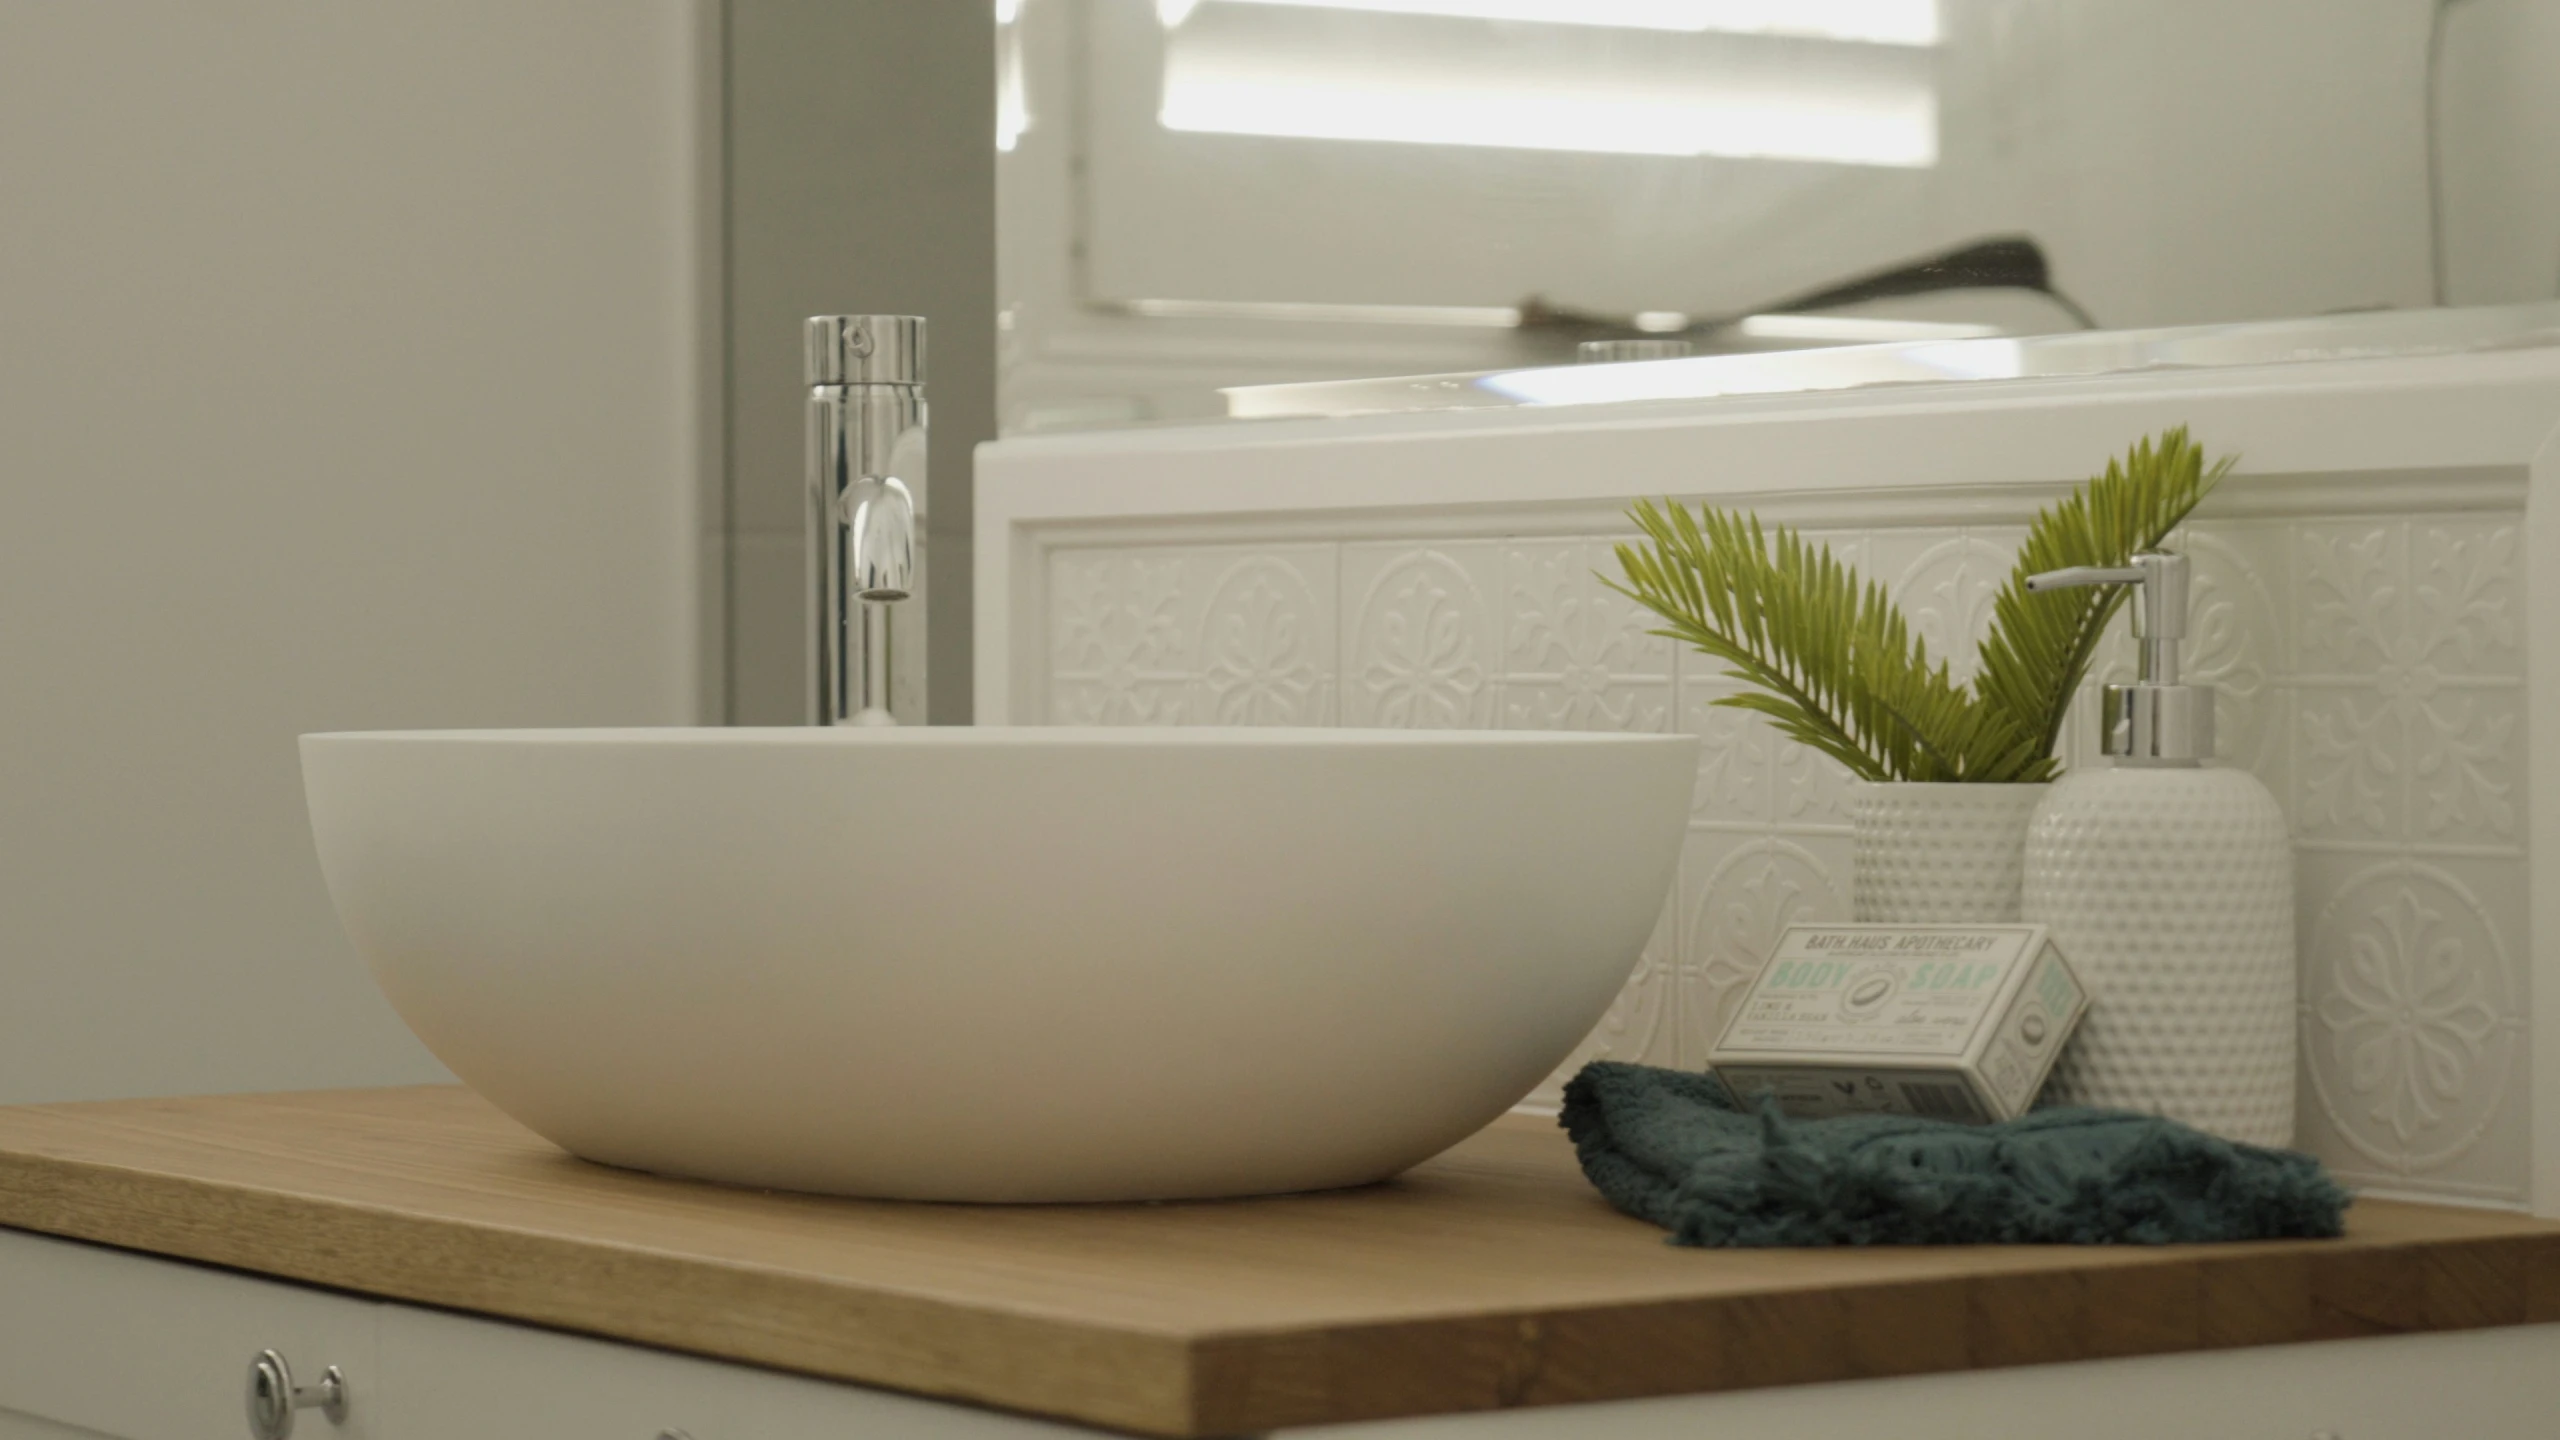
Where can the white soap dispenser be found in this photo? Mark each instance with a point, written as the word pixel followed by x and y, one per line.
pixel 2169 885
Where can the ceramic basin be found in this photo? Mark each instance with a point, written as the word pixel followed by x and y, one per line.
pixel 1025 964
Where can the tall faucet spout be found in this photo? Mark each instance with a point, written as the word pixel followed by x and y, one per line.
pixel 866 506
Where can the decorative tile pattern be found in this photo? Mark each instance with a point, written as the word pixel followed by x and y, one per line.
pixel 1737 756
pixel 2347 751
pixel 1208 636
pixel 2467 770
pixel 2370 670
pixel 1265 647
pixel 1739 898
pixel 1120 652
pixel 2466 591
pixel 1423 636
pixel 1813 788
pixel 1947 591
pixel 2410 1023
pixel 1576 655
pixel 2352 584
pixel 2235 627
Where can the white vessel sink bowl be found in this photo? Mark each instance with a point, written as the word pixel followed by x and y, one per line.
pixel 1001 964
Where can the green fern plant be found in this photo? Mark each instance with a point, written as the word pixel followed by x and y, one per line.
pixel 1832 662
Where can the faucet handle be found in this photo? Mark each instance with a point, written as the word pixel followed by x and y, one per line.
pixel 863 349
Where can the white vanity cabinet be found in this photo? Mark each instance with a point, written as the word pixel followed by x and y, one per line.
pixel 100 1342
pixel 95 1341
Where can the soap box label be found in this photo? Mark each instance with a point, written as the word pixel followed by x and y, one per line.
pixel 1954 1022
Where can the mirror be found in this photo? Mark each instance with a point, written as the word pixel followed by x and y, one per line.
pixel 1199 194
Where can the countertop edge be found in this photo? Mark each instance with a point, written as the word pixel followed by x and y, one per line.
pixel 2191 1299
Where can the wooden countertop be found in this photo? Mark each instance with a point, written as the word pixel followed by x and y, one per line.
pixel 1493 1276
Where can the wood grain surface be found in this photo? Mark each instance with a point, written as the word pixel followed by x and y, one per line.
pixel 1491 1277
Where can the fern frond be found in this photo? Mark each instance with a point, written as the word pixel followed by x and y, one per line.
pixel 1832 661
pixel 1833 664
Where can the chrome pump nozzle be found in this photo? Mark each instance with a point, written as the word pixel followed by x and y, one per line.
pixel 2157 720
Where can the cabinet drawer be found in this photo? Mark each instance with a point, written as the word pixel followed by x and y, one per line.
pixel 151 1349
pixel 455 1377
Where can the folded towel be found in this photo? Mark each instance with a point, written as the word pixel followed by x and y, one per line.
pixel 1669 1147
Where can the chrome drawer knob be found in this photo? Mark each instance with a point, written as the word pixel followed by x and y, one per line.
pixel 273 1397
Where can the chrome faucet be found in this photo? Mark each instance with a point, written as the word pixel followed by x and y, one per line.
pixel 866 573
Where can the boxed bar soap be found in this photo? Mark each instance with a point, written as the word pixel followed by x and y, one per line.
pixel 1951 1022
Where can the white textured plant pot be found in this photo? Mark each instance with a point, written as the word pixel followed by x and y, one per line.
pixel 1940 854
pixel 2170 892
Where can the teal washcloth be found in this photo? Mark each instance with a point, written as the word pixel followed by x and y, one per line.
pixel 1669 1147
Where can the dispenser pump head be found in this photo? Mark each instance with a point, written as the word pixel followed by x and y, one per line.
pixel 2156 720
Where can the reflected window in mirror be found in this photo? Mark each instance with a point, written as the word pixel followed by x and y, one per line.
pixel 1197 194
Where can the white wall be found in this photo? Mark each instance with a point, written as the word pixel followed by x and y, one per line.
pixel 352 374
pixel 2500 121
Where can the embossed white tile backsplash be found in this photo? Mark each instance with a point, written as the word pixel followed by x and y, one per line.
pixel 2371 671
